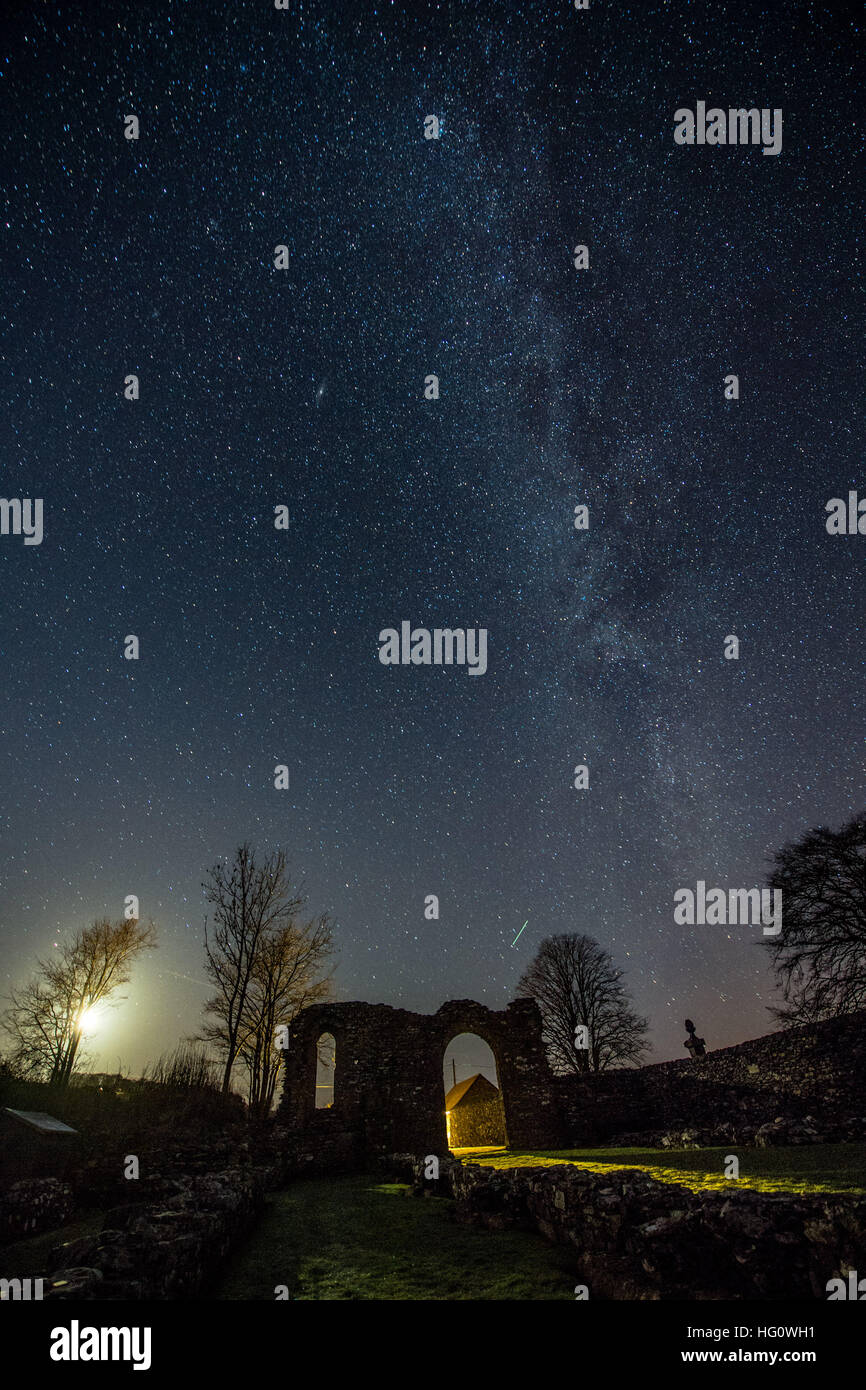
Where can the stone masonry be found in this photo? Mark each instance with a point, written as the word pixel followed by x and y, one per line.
pixel 388 1088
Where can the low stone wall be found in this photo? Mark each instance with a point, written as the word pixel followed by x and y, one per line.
pixel 636 1238
pixel 323 1147
pixel 811 1078
pixel 33 1205
pixel 100 1181
pixel 165 1234
pixel 168 1235
pixel 169 1249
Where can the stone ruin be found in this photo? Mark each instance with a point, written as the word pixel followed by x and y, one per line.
pixel 389 1095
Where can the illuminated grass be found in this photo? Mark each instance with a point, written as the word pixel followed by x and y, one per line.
pixel 797 1169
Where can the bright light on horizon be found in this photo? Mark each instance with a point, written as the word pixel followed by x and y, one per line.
pixel 91 1019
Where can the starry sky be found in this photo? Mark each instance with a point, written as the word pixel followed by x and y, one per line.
pixel 305 388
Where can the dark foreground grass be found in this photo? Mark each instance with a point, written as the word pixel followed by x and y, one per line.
pixel 359 1238
pixel 802 1168
pixel 30 1256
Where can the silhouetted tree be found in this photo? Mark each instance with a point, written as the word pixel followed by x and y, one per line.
pixel 819 957
pixel 261 961
pixel 575 983
pixel 46 1018
pixel 286 978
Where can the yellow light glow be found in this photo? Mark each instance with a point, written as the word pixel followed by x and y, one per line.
pixel 90 1020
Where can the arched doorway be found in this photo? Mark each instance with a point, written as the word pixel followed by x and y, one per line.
pixel 474 1110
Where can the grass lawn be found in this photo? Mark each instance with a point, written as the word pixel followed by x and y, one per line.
pixel 800 1168
pixel 359 1238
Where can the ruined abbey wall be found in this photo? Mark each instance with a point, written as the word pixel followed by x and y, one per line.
pixel 388 1088
pixel 816 1070
pixel 389 1094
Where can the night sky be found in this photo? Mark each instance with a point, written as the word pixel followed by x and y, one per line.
pixel 305 388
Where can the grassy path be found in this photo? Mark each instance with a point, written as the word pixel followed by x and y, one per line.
pixel 30 1254
pixel 359 1238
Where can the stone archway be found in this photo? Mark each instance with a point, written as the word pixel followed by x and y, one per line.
pixel 389 1096
pixel 513 1034
pixel 474 1104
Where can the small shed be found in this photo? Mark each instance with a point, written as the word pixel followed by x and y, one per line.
pixel 474 1114
pixel 35 1145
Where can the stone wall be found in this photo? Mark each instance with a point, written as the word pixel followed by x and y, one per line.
pixel 388 1085
pixel 33 1205
pixel 164 1235
pixel 478 1121
pixel 635 1238
pixel 732 1094
pixel 168 1249
pixel 388 1094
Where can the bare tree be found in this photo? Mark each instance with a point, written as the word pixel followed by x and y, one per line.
pixel 819 958
pixel 576 984
pixel 251 903
pixel 286 978
pixel 47 1017
pixel 187 1068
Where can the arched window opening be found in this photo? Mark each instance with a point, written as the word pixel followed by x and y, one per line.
pixel 326 1062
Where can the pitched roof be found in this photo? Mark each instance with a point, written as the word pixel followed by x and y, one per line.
pixel 37 1119
pixel 456 1094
